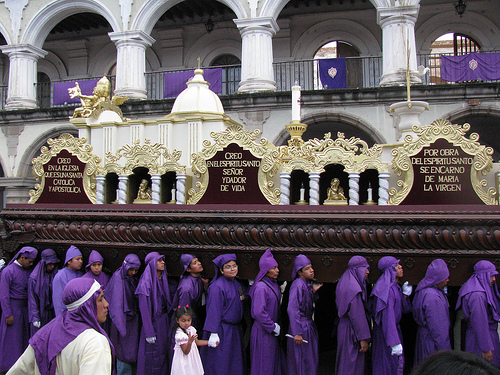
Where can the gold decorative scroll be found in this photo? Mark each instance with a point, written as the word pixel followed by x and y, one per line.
pixel 78 148
pixel 234 133
pixel 454 134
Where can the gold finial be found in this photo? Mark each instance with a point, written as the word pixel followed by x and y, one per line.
pixel 408 80
pixel 199 62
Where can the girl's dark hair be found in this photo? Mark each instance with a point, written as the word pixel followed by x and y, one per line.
pixel 182 310
pixel 454 362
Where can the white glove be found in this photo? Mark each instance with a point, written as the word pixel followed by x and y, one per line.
pixel 397 350
pixel 151 340
pixel 213 341
pixel 277 329
pixel 445 290
pixel 407 288
pixel 36 324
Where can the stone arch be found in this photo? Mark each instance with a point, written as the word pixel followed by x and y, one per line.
pixel 208 47
pixel 434 27
pixel 338 29
pixel 49 16
pixel 5 34
pixel 151 11
pixel 345 118
pixel 98 66
pixel 25 166
pixel 53 66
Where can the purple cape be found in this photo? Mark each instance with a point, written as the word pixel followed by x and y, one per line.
pixel 56 335
pixel 71 253
pixel 40 289
pixel 266 262
pixel 480 282
pixel 121 299
pixel 219 263
pixel 381 289
pixel 436 272
pixel 27 252
pixel 351 283
pixel 300 262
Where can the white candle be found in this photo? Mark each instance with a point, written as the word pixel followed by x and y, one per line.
pixel 173 194
pixel 302 193
pixel 296 103
pixel 370 197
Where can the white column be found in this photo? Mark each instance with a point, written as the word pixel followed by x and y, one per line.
pixel 180 193
pixel 398 36
pixel 257 54
pixel 131 63
pixel 155 189
pixel 23 61
pixel 313 189
pixel 100 184
pixel 383 188
pixel 285 188
pixel 122 189
pixel 353 188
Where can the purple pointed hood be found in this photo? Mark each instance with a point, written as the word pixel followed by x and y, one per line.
pixel 351 283
pixel 299 262
pixel 71 253
pixel 436 272
pixel 381 289
pixel 27 252
pixel 94 257
pixel 266 262
pixel 148 282
pixel 186 260
pixel 220 261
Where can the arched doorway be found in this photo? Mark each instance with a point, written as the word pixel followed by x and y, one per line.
pixel 231 73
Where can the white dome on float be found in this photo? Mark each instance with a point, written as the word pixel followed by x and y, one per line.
pixel 197 97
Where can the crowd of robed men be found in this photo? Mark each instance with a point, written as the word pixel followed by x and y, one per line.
pixel 139 333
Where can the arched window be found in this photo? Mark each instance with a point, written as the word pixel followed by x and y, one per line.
pixel 43 90
pixel 336 49
pixel 231 72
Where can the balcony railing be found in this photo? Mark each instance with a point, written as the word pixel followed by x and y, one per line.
pixel 362 72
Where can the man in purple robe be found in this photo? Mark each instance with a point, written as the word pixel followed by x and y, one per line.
pixel 431 311
pixel 124 313
pixel 191 288
pixel 155 305
pixel 303 357
pixel 480 300
pixel 73 264
pixel 40 307
pixel 14 324
pixel 353 332
pixel 94 269
pixel 223 323
pixel 265 294
pixel 388 302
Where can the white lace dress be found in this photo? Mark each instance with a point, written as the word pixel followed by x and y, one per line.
pixel 183 364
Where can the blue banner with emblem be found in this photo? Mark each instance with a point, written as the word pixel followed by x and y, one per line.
pixel 332 73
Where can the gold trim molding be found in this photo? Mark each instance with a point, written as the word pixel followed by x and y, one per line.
pixel 234 133
pixel 455 134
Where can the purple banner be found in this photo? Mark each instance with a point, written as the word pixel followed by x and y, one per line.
pixel 175 82
pixel 332 73
pixel 470 67
pixel 61 95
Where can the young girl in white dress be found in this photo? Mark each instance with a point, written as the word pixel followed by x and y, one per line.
pixel 186 359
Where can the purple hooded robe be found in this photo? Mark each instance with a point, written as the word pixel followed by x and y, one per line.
pixel 40 307
pixel 265 352
pixel 353 325
pixel 224 314
pixel 388 304
pixel 302 359
pixel 49 341
pixel 124 311
pixel 14 302
pixel 480 304
pixel 102 278
pixel 431 312
pixel 61 279
pixel 155 306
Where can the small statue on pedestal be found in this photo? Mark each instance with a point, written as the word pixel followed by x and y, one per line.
pixel 144 193
pixel 335 193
